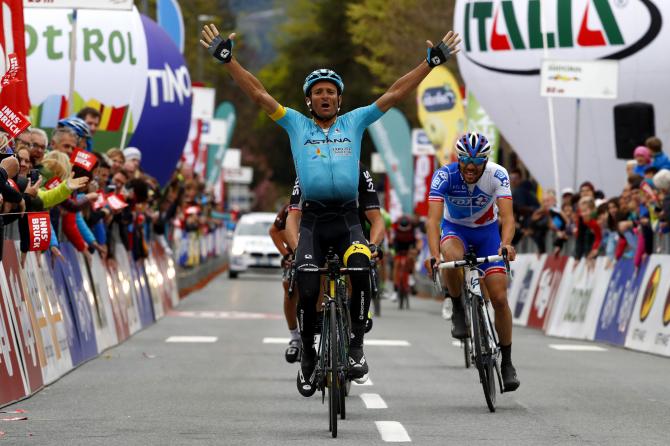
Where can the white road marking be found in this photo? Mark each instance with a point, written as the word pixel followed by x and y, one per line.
pixel 387 342
pixel 577 348
pixel 205 339
pixel 373 342
pixel 392 431
pixel 368 382
pixel 373 401
pixel 235 315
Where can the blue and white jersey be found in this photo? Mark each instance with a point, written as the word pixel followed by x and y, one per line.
pixel 471 205
pixel 327 163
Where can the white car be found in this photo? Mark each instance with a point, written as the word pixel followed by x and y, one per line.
pixel 252 246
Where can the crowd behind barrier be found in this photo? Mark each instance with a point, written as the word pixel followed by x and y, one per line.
pixel 90 246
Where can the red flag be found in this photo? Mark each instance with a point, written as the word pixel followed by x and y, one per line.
pixel 82 158
pixel 12 71
pixel 52 183
pixel 39 229
pixel 116 202
pixel 12 121
pixel 13 41
pixel 100 202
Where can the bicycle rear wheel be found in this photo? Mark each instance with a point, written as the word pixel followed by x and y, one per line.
pixel 333 376
pixel 483 357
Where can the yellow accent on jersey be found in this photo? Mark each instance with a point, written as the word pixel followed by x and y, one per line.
pixel 357 248
pixel 279 113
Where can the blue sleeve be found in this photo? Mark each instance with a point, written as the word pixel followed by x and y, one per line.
pixel 290 119
pixel 84 229
pixel 54 237
pixel 364 116
pixel 100 232
pixel 439 184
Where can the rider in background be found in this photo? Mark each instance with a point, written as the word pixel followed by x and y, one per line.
pixel 404 243
pixel 466 200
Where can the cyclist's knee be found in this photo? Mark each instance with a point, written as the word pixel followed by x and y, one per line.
pixel 357 256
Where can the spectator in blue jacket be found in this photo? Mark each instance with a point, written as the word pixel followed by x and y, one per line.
pixel 658 159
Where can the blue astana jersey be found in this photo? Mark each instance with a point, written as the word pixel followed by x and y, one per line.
pixel 327 164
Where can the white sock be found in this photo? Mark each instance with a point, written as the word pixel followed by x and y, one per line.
pixel 295 334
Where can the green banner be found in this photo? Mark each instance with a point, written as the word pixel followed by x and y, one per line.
pixel 226 112
pixel 479 121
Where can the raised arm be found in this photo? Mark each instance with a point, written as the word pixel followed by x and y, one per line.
pixel 406 84
pixel 222 50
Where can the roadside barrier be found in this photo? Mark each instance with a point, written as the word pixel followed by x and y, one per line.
pixel 56 314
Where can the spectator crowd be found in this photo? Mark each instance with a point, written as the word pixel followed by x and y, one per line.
pixel 96 200
pixel 586 223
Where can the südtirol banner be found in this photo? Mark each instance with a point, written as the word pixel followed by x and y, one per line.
pixel 500 60
pixel 391 135
pixel 440 110
pixel 479 121
pixel 88 4
pixel 110 70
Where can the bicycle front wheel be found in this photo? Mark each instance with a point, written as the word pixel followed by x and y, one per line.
pixel 333 375
pixel 483 356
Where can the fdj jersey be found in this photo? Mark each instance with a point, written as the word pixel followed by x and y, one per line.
pixel 327 162
pixel 471 205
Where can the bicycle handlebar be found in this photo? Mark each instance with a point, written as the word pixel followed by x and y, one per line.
pixel 477 261
pixel 342 270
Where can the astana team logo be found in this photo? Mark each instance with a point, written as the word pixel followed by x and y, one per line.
pixel 318 154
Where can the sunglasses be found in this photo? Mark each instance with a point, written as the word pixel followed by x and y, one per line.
pixel 477 161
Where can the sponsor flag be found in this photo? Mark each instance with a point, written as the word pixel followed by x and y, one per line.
pixel 82 158
pixel 116 202
pixel 52 183
pixel 440 110
pixel 12 41
pixel 12 121
pixel 39 229
pixel 12 71
pixel 391 135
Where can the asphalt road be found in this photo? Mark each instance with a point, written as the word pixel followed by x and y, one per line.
pixel 239 390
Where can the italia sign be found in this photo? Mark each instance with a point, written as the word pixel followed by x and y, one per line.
pixel 505 43
pixel 597 26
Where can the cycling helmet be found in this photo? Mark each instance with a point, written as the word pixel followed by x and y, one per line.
pixel 77 124
pixel 473 144
pixel 404 223
pixel 322 74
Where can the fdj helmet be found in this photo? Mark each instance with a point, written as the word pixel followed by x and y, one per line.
pixel 323 74
pixel 473 145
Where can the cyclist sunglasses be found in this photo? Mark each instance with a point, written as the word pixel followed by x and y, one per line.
pixel 477 161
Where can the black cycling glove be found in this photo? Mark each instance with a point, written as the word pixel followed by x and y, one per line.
pixel 437 55
pixel 221 50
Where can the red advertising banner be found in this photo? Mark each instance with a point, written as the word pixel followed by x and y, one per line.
pixel 12 40
pixel 12 122
pixel 14 291
pixel 82 158
pixel 547 289
pixel 423 172
pixel 39 229
pixel 52 183
pixel 12 71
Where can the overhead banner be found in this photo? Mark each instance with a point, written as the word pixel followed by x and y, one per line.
pixel 168 14
pixel 500 60
pixel 479 121
pixel 89 4
pixel 440 109
pixel 391 135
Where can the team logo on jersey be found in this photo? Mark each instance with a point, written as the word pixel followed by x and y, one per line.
pixel 479 201
pixel 341 151
pixel 318 154
pixel 502 177
pixel 368 180
pixel 438 179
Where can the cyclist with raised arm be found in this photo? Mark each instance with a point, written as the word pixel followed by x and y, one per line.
pixel 326 149
pixel 467 199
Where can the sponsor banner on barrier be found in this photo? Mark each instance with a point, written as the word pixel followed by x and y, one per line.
pixel 650 323
pixel 125 288
pixel 619 301
pixel 81 310
pixel 11 374
pixel 131 285
pixel 61 295
pixel 16 302
pixel 168 273
pixel 547 289
pixel 577 306
pixel 114 308
pixel 99 304
pixel 119 304
pixel 155 284
pixel 48 317
pixel 145 306
pixel 529 277
pixel 517 268
pixel 145 290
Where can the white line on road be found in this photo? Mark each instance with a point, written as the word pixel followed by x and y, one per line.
pixel 368 382
pixel 392 431
pixel 206 339
pixel 373 401
pixel 373 342
pixel 577 348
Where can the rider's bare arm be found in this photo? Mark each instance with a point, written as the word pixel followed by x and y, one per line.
pixel 292 228
pixel 377 227
pixel 276 236
pixel 435 212
pixel 406 84
pixel 506 216
pixel 249 84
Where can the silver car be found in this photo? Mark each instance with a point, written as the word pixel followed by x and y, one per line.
pixel 252 247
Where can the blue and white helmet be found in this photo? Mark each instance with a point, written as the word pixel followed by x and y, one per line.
pixel 473 144
pixel 322 74
pixel 77 124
